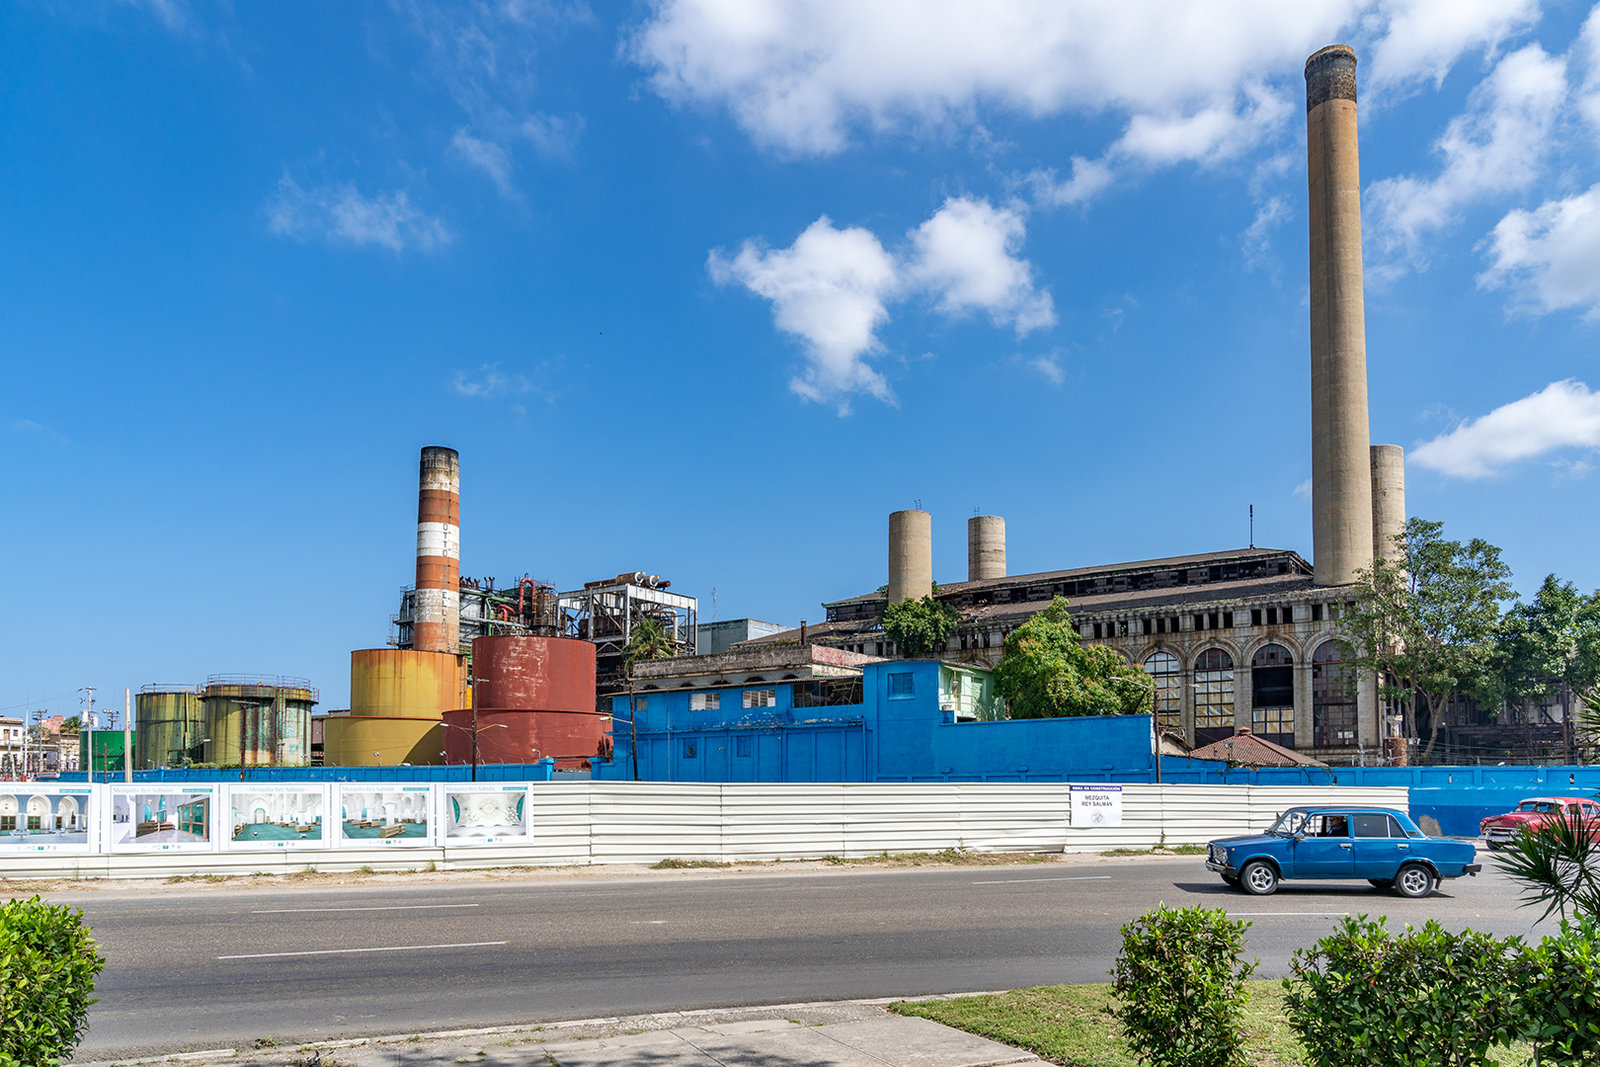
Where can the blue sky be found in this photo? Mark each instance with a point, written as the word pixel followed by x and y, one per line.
pixel 707 289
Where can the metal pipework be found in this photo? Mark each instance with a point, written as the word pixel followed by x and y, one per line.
pixel 1388 502
pixel 437 627
pixel 1341 473
pixel 910 555
pixel 986 547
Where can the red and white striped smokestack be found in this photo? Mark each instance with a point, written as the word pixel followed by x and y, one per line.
pixel 437 625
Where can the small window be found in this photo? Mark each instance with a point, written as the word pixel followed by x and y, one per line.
pixel 760 698
pixel 705 701
pixel 1374 825
pixel 689 750
pixel 641 703
pixel 744 746
pixel 900 686
pixel 1316 613
pixel 1255 616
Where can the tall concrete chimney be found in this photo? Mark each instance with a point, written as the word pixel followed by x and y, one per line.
pixel 1341 471
pixel 910 555
pixel 1388 502
pixel 437 627
pixel 986 547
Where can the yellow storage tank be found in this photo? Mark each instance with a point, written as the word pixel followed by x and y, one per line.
pixel 169 726
pixel 381 741
pixel 258 720
pixel 404 683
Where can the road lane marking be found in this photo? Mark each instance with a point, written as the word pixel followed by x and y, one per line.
pixel 1074 878
pixel 1312 914
pixel 390 907
pixel 647 922
pixel 354 951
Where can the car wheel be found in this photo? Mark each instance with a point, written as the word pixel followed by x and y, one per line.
pixel 1258 878
pixel 1382 883
pixel 1414 880
pixel 1491 844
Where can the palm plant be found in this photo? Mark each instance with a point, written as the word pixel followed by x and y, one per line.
pixel 1558 866
pixel 647 639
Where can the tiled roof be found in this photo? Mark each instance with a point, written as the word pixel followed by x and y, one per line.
pixel 1247 750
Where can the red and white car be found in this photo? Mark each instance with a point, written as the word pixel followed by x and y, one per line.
pixel 1533 814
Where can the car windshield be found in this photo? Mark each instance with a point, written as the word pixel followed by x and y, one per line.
pixel 1289 823
pixel 1535 805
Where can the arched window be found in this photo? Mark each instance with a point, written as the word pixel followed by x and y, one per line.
pixel 1162 667
pixel 1213 696
pixel 1333 698
pixel 1272 694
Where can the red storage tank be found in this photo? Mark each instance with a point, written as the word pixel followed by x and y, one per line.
pixel 533 697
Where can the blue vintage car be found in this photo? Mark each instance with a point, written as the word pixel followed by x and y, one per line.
pixel 1379 844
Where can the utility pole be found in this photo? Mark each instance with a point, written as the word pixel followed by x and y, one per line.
pixel 88 728
pixel 127 735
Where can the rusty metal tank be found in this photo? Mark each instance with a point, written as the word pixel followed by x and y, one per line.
pixel 169 724
pixel 405 683
pixel 258 720
pixel 534 699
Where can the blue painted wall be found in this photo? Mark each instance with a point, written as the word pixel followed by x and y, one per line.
pixel 541 771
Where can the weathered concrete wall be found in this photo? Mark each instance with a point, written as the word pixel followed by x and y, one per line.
pixel 1388 502
pixel 986 547
pixel 1340 462
pixel 910 555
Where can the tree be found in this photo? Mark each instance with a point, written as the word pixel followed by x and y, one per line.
pixel 1428 623
pixel 1551 647
pixel 1047 673
pixel 647 640
pixel 918 627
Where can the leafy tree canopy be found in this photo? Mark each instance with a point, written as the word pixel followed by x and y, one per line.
pixel 1555 639
pixel 1429 623
pixel 1048 673
pixel 918 627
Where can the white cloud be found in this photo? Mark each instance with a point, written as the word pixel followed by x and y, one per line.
pixel 1256 239
pixel 1424 38
pixel 965 254
pixel 1563 414
pixel 340 214
pixel 487 156
pixel 828 288
pixel 490 381
pixel 832 288
pixel 171 13
pixel 805 76
pixel 1050 367
pixel 1550 256
pixel 1587 53
pixel 1089 179
pixel 551 135
pixel 1496 147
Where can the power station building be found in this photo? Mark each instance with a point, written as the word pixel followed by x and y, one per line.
pixel 1247 638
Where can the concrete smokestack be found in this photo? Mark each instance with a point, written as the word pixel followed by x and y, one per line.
pixel 910 555
pixel 1388 502
pixel 986 547
pixel 1341 471
pixel 437 627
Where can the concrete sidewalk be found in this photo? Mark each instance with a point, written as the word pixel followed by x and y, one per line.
pixel 857 1033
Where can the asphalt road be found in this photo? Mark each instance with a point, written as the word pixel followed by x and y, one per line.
pixel 205 966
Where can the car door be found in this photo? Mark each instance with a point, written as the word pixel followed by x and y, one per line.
pixel 1325 850
pixel 1380 844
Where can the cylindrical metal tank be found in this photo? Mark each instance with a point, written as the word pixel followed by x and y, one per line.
pixel 437 623
pixel 910 555
pixel 1341 468
pixel 257 721
pixel 169 722
pixel 532 694
pixel 986 547
pixel 406 683
pixel 1388 502
pixel 381 741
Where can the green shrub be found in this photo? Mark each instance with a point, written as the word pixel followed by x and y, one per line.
pixel 47 969
pixel 1365 997
pixel 1180 987
pixel 1562 994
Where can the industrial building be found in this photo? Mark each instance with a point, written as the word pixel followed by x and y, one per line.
pixel 247 720
pixel 1239 639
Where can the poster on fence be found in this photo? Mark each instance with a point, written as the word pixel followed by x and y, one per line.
pixel 484 815
pixel 47 818
pixel 163 817
pixel 1096 805
pixel 385 816
pixel 269 816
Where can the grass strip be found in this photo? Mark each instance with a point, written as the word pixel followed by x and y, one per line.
pixel 1074 1025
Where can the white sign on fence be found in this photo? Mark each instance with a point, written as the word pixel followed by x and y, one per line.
pixel 1096 805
